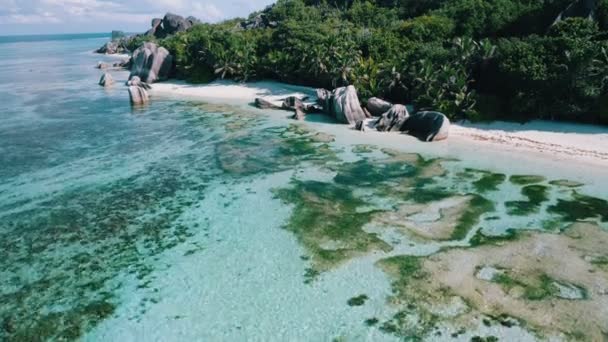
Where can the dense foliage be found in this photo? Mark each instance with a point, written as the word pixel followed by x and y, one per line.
pixel 475 59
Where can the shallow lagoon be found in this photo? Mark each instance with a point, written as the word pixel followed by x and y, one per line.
pixel 207 221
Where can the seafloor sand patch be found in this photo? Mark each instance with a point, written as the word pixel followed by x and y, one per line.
pixel 534 277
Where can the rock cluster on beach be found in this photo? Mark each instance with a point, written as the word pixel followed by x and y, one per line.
pixel 343 105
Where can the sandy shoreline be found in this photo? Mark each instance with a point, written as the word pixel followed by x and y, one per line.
pixel 553 141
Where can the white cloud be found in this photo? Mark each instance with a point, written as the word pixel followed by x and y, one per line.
pixel 99 15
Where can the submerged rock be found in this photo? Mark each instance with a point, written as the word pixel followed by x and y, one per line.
pixel 341 103
pixel 377 107
pixel 427 126
pixel 106 80
pixel 138 95
pixel 393 119
pixel 151 63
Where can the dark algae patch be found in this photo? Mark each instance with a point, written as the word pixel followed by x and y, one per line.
pixel 581 207
pixel 536 194
pixel 526 179
pixel 326 221
pixel 489 181
pixel 358 300
pixel 470 218
pixel 480 238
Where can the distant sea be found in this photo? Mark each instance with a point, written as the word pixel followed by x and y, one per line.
pixel 47 37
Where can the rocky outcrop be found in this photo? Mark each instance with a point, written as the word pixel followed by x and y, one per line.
pixel 377 107
pixel 341 103
pixel 156 27
pixel 427 126
pixel 106 80
pixel 138 95
pixel 393 119
pixel 151 63
pixel 160 28
pixel 116 35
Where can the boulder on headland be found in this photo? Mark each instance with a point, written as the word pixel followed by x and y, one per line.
pixel 393 119
pixel 106 80
pixel 427 126
pixel 377 107
pixel 151 63
pixel 341 103
pixel 138 95
pixel 173 23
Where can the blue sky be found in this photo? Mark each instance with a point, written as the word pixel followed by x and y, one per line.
pixel 73 16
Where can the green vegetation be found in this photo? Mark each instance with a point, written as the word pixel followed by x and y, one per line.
pixel 581 207
pixel 480 238
pixel 475 59
pixel 326 221
pixel 488 182
pixel 526 179
pixel 535 287
pixel 477 207
pixel 536 195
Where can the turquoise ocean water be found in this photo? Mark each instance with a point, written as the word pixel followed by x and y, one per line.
pixel 185 221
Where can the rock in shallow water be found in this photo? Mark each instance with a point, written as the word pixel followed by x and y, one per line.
pixel 106 80
pixel 138 95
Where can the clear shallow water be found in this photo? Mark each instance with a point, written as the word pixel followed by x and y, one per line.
pixel 190 221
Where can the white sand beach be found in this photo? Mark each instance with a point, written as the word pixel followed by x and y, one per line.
pixel 551 140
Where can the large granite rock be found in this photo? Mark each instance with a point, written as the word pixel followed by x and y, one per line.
pixel 156 30
pixel 341 103
pixel 427 126
pixel 138 95
pixel 393 119
pixel 136 81
pixel 151 63
pixel 377 107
